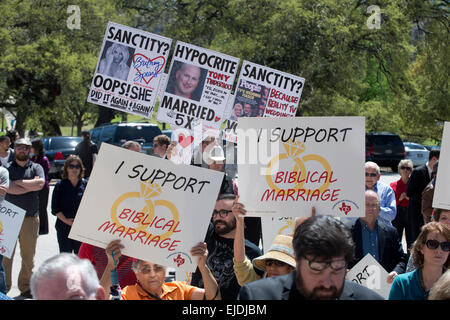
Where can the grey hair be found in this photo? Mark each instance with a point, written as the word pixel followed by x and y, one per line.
pixel 59 264
pixel 407 162
pixel 372 164
pixel 129 144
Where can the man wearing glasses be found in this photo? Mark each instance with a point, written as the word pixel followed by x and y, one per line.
pixel 388 204
pixel 220 240
pixel 323 248
pixel 26 179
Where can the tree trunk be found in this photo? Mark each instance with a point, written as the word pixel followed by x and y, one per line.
pixel 105 115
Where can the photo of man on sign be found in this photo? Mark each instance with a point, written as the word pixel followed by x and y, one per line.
pixel 186 80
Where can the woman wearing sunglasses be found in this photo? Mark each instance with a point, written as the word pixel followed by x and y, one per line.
pixel 66 198
pixel 279 259
pixel 400 222
pixel 431 259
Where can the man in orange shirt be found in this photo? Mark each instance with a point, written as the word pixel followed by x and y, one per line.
pixel 150 279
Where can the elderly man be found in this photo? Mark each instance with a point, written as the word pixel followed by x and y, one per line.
pixel 323 248
pixel 151 276
pixel 66 277
pixel 378 239
pixel 388 205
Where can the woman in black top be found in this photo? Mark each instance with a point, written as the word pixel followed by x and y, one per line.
pixel 65 201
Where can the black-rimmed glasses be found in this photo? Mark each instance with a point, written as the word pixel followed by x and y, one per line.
pixel 336 265
pixel 222 213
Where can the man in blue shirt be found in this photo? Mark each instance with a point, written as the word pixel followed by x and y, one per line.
pixel 380 240
pixel 388 205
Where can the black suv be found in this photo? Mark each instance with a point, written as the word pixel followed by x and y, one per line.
pixel 385 149
pixel 118 133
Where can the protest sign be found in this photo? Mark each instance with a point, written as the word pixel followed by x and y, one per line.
pixel 271 227
pixel 369 273
pixel 11 219
pixel 158 209
pixel 288 165
pixel 199 84
pixel 441 198
pixel 128 71
pixel 263 92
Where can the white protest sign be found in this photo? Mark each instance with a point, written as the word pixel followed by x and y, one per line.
pixel 263 92
pixel 271 227
pixel 11 219
pixel 369 273
pixel 441 198
pixel 129 70
pixel 199 84
pixel 288 165
pixel 158 209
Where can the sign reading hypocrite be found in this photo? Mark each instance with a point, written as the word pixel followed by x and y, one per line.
pixel 129 70
pixel 158 209
pixel 11 219
pixel 263 92
pixel 441 198
pixel 198 88
pixel 288 165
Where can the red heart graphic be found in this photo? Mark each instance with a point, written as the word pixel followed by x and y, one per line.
pixel 217 119
pixel 185 141
pixel 149 60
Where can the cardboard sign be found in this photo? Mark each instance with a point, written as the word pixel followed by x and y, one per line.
pixel 441 198
pixel 369 273
pixel 271 227
pixel 263 92
pixel 158 209
pixel 288 165
pixel 11 219
pixel 129 70
pixel 199 84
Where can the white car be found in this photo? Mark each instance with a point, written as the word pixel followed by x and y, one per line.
pixel 417 153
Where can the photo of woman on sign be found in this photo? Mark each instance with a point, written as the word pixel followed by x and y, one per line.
pixel 116 60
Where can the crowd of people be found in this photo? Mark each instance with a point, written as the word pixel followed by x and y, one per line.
pixel 312 263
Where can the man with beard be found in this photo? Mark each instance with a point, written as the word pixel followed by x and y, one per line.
pixel 220 240
pixel 26 179
pixel 323 248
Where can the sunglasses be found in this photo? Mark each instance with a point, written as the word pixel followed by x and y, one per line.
pixel 336 265
pixel 277 263
pixel 373 175
pixel 74 166
pixel 434 244
pixel 406 168
pixel 222 213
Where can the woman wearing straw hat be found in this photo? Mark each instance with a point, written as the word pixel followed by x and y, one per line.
pixel 279 260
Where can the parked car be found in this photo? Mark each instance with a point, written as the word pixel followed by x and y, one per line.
pixel 429 148
pixel 57 149
pixel 384 148
pixel 417 153
pixel 118 133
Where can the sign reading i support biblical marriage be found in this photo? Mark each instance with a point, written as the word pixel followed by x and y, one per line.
pixel 288 165
pixel 129 70
pixel 11 219
pixel 441 198
pixel 158 209
pixel 199 84
pixel 263 92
